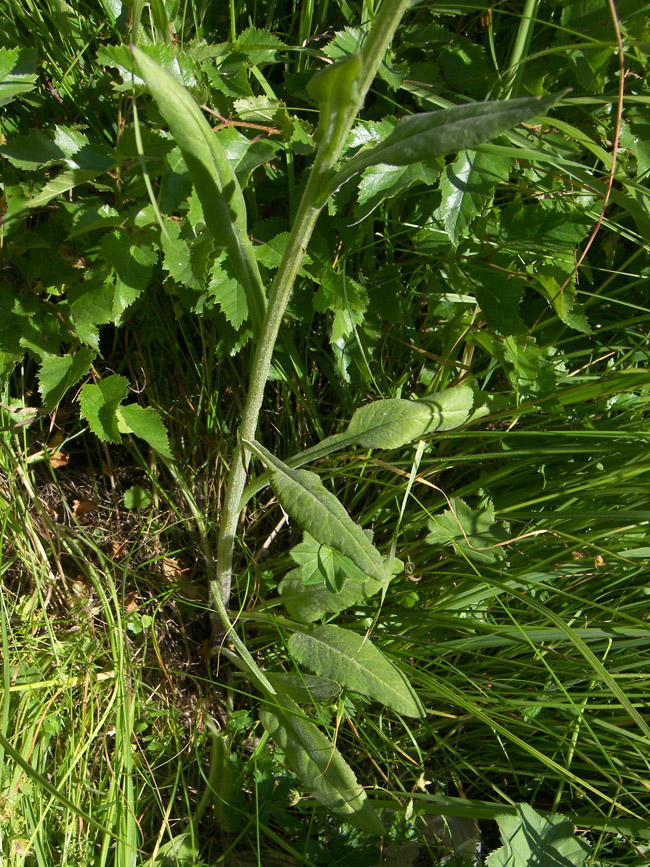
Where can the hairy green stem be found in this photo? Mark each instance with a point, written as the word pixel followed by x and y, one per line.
pixel 312 202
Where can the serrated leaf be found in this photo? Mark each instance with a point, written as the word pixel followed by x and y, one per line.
pixel 541 225
pixel 33 151
pixel 382 182
pixel 137 497
pixel 185 259
pixel 336 92
pixel 229 294
pixel 63 183
pixel 308 604
pixel 145 423
pixel 319 765
pixel 474 534
pixel 562 298
pixel 59 373
pixel 213 178
pixel 133 264
pixel 391 423
pixel 498 294
pixel 260 46
pixel 467 189
pixel 99 405
pixel 321 564
pixel 308 502
pixel 538 841
pixel 436 133
pixel 346 298
pixel 357 664
pixel 17 73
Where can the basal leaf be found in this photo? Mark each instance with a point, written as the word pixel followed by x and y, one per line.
pixel 319 765
pixel 133 263
pixel 423 136
pixel 304 688
pixel 475 534
pixel 145 423
pixel 335 91
pixel 498 294
pixel 308 502
pixel 391 423
pixel 538 841
pixel 59 373
pixel 99 405
pixel 357 664
pixel 320 564
pixel 467 189
pixel 562 298
pixel 212 175
pixel 228 293
pixel 260 46
pixel 186 258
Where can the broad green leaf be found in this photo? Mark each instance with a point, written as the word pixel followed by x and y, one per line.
pixel 137 497
pixel 544 225
pixel 382 182
pixel 562 298
pixel 423 136
pixel 180 851
pixel 308 502
pixel 308 604
pixel 186 258
pixel 467 189
pixel 228 293
pixel 335 91
pixel 538 841
pixel 260 46
pixel 133 263
pixel 498 293
pixel 319 765
pixel 320 564
pixel 304 688
pixel 475 534
pixel 391 423
pixel 178 64
pixel 346 298
pixel 213 177
pixel 99 405
pixel 63 183
pixel 36 150
pixel 145 423
pixel 59 373
pixel 17 73
pixel 357 664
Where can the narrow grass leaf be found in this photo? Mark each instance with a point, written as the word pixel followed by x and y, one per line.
pixel 212 175
pixel 319 765
pixel 357 664
pixel 308 502
pixel 391 423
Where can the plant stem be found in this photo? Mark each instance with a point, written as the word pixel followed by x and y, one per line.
pixel 311 204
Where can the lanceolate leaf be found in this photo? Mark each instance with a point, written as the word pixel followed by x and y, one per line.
pixel 310 504
pixel 389 424
pixel 336 92
pixel 358 665
pixel 319 765
pixel 213 177
pixel 435 133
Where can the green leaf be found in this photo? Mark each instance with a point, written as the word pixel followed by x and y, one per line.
pixel 180 851
pixel 475 534
pixel 391 423
pixel 17 73
pixel 260 46
pixel 563 300
pixel 146 424
pixel 304 688
pixel 310 504
pixel 308 604
pixel 228 293
pixel 99 405
pixel 59 373
pixel 137 497
pixel 63 183
pixel 133 263
pixel 467 189
pixel 357 664
pixel 346 298
pixel 320 564
pixel 186 258
pixel 537 841
pixel 212 175
pixel 319 765
pixel 423 136
pixel 382 182
pixel 336 92
pixel 498 294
